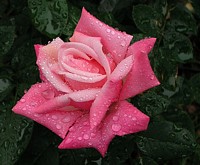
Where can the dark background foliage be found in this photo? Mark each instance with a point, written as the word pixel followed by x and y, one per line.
pixel 173 134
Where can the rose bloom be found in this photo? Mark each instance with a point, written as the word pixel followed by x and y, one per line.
pixel 85 84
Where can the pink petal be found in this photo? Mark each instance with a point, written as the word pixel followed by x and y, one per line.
pixel 114 41
pixel 57 121
pixel 79 99
pixel 108 94
pixel 48 55
pixel 96 45
pixel 123 119
pixel 122 69
pixel 81 136
pixel 80 78
pixel 141 77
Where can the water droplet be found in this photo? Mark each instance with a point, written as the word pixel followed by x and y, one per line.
pixel 23 100
pixel 54 117
pixel 113 33
pixel 116 127
pixel 95 123
pixel 152 77
pixel 66 119
pixel 24 109
pixel 93 134
pixel 115 118
pixel 134 118
pixel 86 136
pixel 118 37
pixel 79 138
pixel 123 43
pixel 58 126
pixel 48 94
pixel 108 30
pixel 69 140
pixel 85 123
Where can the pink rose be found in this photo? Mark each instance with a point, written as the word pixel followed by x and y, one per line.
pixel 85 83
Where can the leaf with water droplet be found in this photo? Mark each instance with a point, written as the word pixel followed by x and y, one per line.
pixel 181 20
pixel 162 141
pixel 49 17
pixel 7 36
pixel 14 135
pixel 151 103
pixel 180 46
pixel 147 19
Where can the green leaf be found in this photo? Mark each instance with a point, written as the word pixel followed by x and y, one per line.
pixel 179 45
pixel 6 87
pixel 151 103
pixel 107 5
pixel 7 36
pixel 15 133
pixel 165 140
pixel 195 87
pixel 147 20
pixel 181 20
pixel 74 16
pixel 49 17
pixel 145 161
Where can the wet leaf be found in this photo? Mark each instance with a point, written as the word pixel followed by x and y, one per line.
pixel 49 17
pixel 181 20
pixel 151 103
pixel 7 36
pixel 180 46
pixel 15 133
pixel 147 20
pixel 165 140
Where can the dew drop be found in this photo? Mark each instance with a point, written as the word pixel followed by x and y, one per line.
pixel 152 77
pixel 134 118
pixel 115 118
pixel 69 140
pixel 93 134
pixel 79 138
pixel 118 37
pixel 23 100
pixel 24 109
pixel 48 94
pixel 58 126
pixel 95 123
pixel 86 137
pixel 108 30
pixel 113 33
pixel 54 117
pixel 66 119
pixel 85 123
pixel 116 127
pixel 123 43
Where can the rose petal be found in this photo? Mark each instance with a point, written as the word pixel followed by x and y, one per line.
pixel 108 94
pixel 86 137
pixel 141 77
pixel 114 41
pixel 57 121
pixel 80 78
pixel 47 56
pixel 123 119
pixel 62 102
pixel 122 69
pixel 96 45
